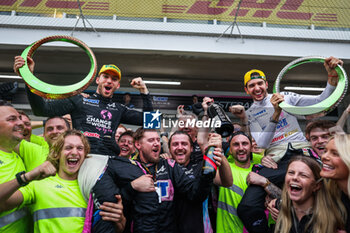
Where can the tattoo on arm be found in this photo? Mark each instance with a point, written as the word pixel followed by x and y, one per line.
pixel 273 191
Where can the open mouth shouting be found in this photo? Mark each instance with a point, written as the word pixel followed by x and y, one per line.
pixel 295 189
pixel 320 149
pixel 73 163
pixel 125 150
pixel 156 149
pixel 71 158
pixel 108 89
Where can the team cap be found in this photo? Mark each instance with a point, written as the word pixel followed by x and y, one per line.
pixel 111 68
pixel 253 74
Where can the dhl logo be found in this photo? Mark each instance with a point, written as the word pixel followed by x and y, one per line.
pixel 304 12
pixel 54 4
pixel 260 9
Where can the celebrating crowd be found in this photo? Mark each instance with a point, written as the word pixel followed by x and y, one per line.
pixel 94 175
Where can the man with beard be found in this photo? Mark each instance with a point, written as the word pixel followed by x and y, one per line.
pixel 97 116
pixel 191 213
pixel 192 131
pixel 198 136
pixel 241 163
pixel 158 213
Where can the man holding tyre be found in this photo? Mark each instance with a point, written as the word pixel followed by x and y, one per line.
pixel 278 132
pixel 97 116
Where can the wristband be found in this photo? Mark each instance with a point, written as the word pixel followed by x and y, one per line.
pixel 19 179
pixel 267 183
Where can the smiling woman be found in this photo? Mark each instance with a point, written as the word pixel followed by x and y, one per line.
pixel 336 166
pixel 305 200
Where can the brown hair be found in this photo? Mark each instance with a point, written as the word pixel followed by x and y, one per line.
pixel 140 132
pixel 323 124
pixel 127 133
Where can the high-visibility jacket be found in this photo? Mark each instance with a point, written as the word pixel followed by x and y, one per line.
pixel 57 205
pixel 15 220
pixel 33 155
pixel 229 198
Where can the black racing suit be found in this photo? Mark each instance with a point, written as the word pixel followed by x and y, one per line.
pixel 154 216
pixel 147 214
pixel 189 213
pixel 97 117
pixel 117 179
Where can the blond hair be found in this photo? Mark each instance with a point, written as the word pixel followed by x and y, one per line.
pixel 57 147
pixel 342 143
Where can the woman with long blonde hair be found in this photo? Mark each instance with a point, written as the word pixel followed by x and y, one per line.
pixel 336 166
pixel 306 202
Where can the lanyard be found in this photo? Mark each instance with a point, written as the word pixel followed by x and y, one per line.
pixel 145 170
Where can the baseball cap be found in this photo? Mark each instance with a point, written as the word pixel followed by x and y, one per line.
pixel 253 74
pixel 112 68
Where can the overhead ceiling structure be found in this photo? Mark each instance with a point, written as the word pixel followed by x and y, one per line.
pixel 187 44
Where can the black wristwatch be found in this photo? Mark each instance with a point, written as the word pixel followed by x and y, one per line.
pixel 164 134
pixel 19 179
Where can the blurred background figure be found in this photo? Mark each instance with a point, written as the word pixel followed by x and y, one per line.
pixel 127 100
pixel 121 129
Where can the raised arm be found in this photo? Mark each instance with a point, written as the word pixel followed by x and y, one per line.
pixel 11 197
pixel 134 117
pixel 39 105
pixel 203 132
pixel 263 137
pixel 239 111
pixel 140 85
pixel 224 175
pixel 305 100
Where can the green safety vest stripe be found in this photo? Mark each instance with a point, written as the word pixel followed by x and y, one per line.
pixel 58 213
pixel 12 217
pixel 237 190
pixel 228 208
